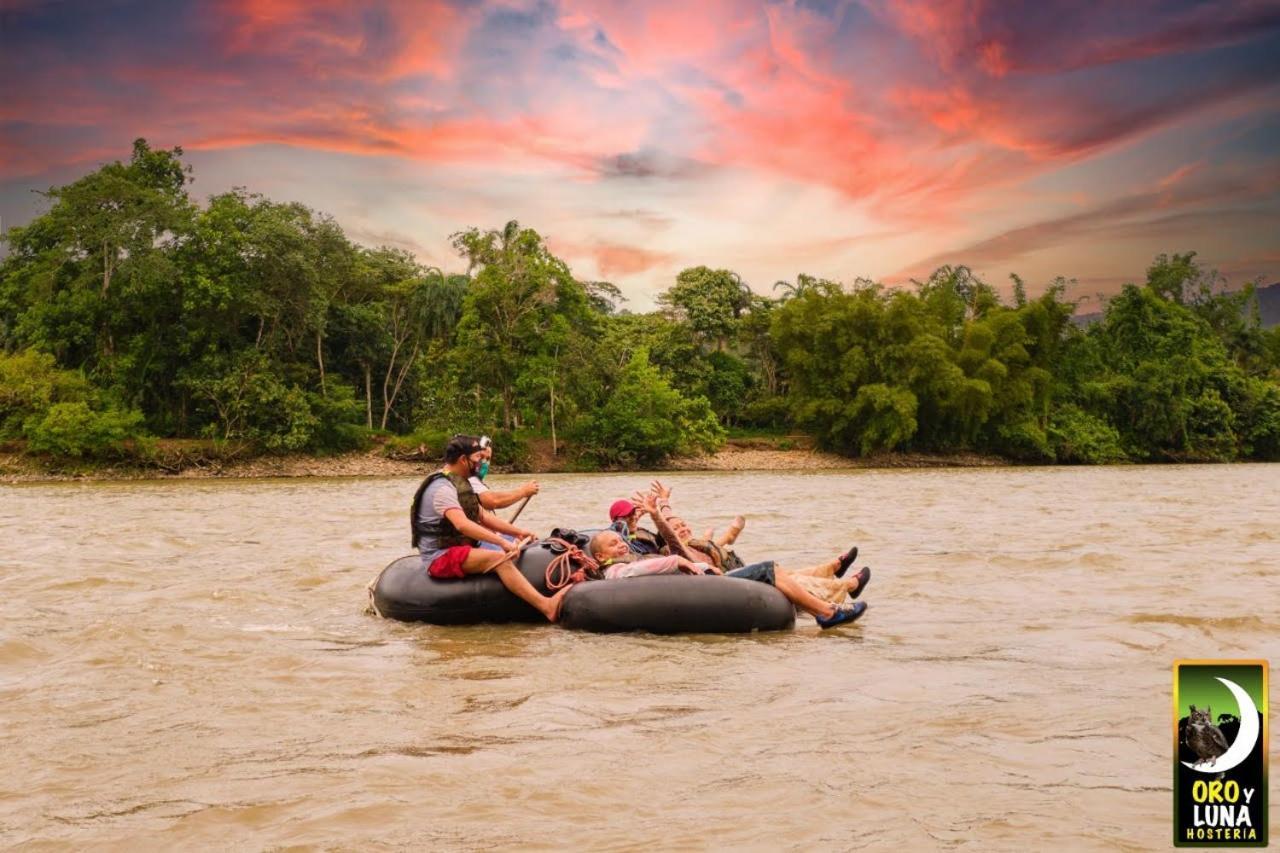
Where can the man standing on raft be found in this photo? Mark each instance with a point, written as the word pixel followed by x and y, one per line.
pixel 448 524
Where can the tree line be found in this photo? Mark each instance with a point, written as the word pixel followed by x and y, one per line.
pixel 128 312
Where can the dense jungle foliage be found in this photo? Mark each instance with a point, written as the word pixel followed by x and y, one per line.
pixel 129 312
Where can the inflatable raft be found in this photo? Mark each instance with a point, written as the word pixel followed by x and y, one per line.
pixel 660 604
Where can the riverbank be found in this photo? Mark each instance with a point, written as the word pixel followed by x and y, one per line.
pixel 792 454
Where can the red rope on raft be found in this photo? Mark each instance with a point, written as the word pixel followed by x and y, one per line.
pixel 573 566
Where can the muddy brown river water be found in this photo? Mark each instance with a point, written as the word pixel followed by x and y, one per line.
pixel 190 665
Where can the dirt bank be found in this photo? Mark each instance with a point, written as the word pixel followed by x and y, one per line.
pixel 737 455
pixel 762 459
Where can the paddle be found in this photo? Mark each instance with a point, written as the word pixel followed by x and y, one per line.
pixel 519 510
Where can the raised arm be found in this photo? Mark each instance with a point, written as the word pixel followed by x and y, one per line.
pixel 502 500
pixel 649 504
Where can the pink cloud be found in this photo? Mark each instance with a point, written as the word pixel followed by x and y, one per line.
pixel 926 117
pixel 1147 212
pixel 612 259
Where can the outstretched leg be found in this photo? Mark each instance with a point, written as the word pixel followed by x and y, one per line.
pixel 819 570
pixel 731 535
pixel 827 614
pixel 833 590
pixel 479 561
pixel 802 598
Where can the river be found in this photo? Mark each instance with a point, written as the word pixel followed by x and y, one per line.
pixel 190 664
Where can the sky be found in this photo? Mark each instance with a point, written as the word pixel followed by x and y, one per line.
pixel 869 138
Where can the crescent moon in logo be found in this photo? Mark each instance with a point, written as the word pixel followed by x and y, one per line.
pixel 1245 738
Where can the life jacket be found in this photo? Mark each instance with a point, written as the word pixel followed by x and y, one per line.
pixel 443 530
pixel 724 559
pixel 649 538
pixel 644 542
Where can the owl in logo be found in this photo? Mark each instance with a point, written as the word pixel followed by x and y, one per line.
pixel 1204 738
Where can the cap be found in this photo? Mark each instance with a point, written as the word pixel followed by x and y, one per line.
pixel 461 445
pixel 621 509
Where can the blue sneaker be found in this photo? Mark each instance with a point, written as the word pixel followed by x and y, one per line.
pixel 844 613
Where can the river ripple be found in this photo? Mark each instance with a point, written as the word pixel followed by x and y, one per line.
pixel 189 664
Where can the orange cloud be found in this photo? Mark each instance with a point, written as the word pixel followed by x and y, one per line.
pixel 619 260
pixel 611 259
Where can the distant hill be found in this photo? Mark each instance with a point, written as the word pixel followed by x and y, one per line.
pixel 1269 304
pixel 1268 307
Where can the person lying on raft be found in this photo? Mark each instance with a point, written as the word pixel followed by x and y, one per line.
pixel 617 560
pixel 448 523
pixel 724 541
pixel 489 498
pixel 826 580
pixel 828 615
pixel 624 519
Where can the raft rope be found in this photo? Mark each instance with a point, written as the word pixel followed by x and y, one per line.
pixel 570 566
pixel 373 602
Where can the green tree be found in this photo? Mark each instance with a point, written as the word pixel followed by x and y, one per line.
pixel 74 430
pixel 92 280
pixel 1159 374
pixel 644 420
pixel 30 383
pixel 710 301
pixel 517 288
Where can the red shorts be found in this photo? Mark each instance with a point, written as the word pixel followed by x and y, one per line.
pixel 449 564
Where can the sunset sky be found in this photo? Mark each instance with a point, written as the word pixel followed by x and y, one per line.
pixel 841 139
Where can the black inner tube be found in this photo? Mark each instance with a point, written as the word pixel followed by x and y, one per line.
pixel 661 604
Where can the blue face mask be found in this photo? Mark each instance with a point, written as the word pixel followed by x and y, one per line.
pixel 483 470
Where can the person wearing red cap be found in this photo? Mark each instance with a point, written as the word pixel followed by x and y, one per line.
pixel 624 518
pixel 827 614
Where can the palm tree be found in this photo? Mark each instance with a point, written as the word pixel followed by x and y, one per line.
pixel 441 301
pixel 804 284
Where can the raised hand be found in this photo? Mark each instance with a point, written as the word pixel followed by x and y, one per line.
pixel 647 502
pixel 663 492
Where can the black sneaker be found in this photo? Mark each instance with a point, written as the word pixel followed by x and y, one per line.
pixel 863 577
pixel 846 560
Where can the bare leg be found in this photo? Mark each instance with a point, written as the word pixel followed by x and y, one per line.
pixel 835 590
pixel 479 562
pixel 731 535
pixel 801 598
pixel 519 584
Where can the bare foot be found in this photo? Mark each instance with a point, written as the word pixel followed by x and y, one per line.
pixel 551 609
pixel 739 522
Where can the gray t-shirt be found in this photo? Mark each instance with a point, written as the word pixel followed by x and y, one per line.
pixel 439 497
pixel 477 485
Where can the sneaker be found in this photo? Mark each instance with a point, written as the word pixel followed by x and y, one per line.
pixel 846 560
pixel 845 613
pixel 863 577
